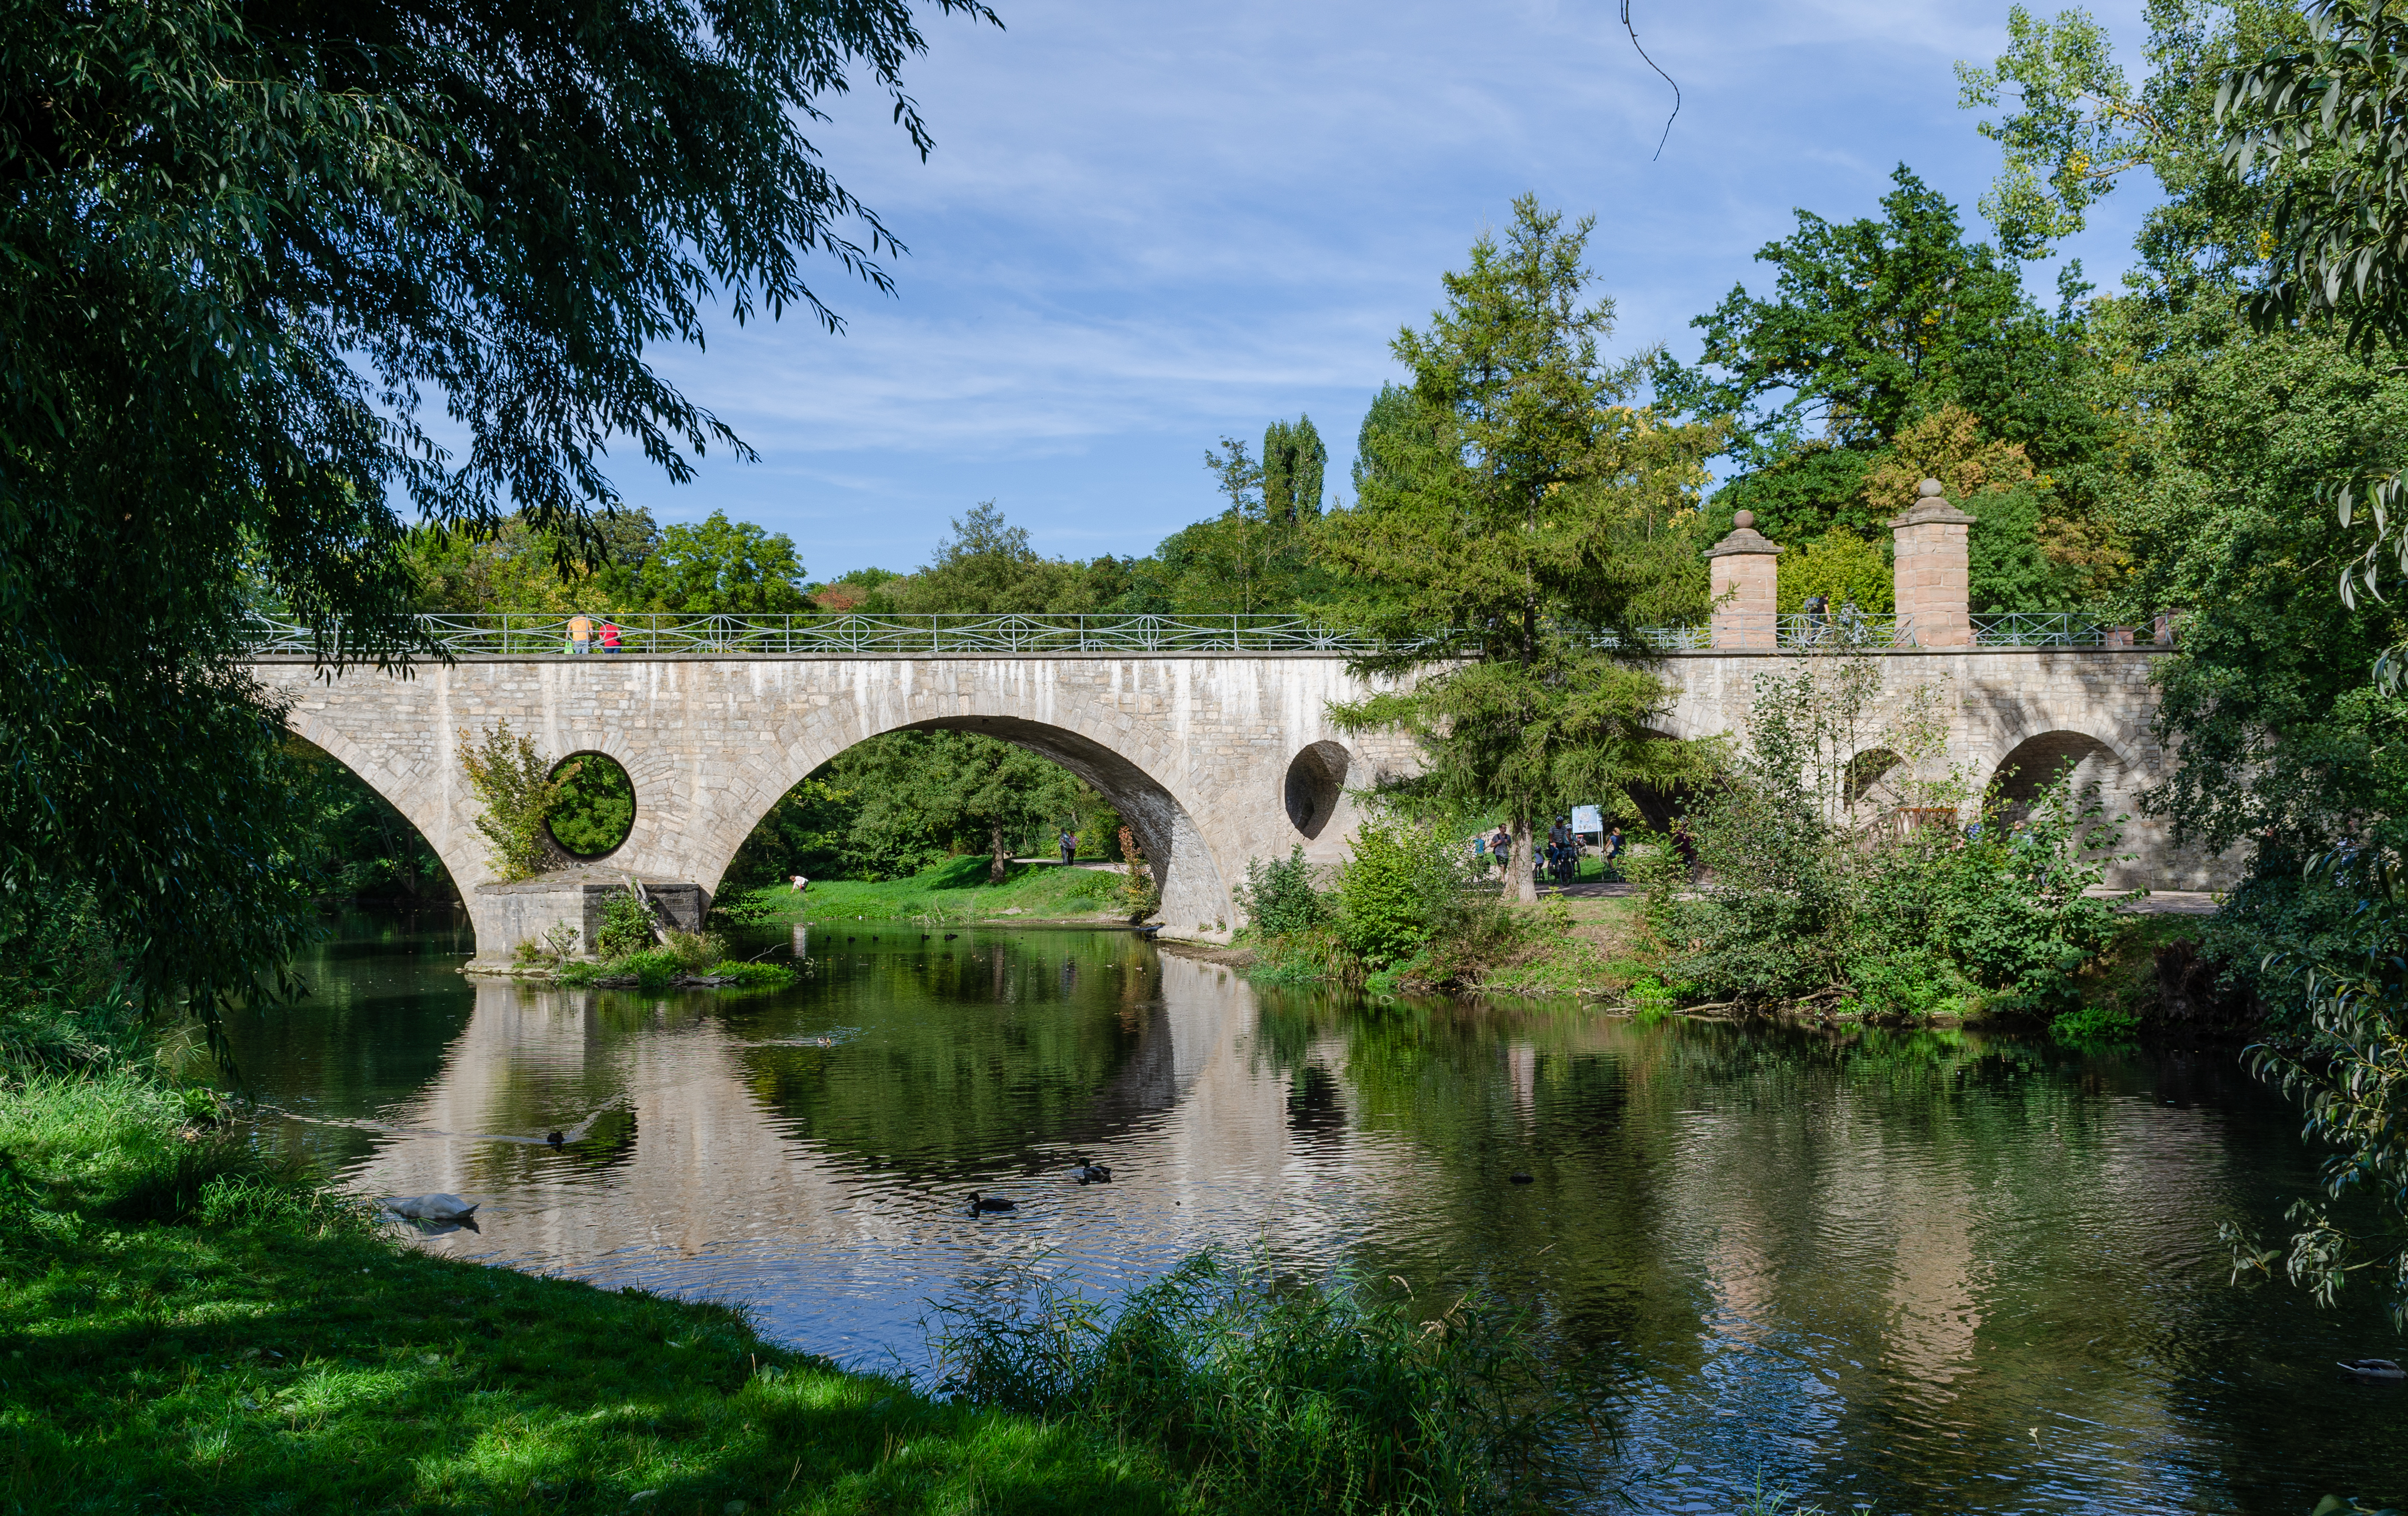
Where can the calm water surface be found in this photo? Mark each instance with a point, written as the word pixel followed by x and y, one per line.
pixel 1930 1273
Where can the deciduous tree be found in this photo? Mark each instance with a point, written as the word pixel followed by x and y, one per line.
pixel 251 251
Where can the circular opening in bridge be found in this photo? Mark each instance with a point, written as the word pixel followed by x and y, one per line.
pixel 1315 779
pixel 597 806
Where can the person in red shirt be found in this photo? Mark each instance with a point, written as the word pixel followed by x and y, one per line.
pixel 609 634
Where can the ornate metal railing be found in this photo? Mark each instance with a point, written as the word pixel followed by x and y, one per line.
pixel 2038 629
pixel 529 635
pixel 516 634
pixel 1803 631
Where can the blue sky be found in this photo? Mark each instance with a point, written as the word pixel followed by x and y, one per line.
pixel 1148 225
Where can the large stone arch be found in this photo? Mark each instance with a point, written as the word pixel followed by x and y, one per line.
pixel 398 772
pixel 1195 894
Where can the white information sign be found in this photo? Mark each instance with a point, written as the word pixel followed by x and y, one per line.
pixel 1588 818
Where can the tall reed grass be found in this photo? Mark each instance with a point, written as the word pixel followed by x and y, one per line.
pixel 1272 1396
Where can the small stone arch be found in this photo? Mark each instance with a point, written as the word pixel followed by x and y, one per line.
pixel 1314 785
pixel 2036 761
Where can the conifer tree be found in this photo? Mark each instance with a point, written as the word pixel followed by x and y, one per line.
pixel 1497 546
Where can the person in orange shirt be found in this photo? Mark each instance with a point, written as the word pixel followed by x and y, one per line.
pixel 581 633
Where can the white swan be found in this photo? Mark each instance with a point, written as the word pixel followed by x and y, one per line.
pixel 429 1208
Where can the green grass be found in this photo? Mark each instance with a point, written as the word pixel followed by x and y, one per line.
pixel 954 890
pixel 271 1351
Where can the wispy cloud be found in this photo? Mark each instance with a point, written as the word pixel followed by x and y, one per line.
pixel 1147 224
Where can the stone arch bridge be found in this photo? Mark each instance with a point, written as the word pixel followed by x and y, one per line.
pixel 1215 757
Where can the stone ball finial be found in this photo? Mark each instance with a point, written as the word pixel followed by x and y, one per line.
pixel 1744 519
pixel 1928 489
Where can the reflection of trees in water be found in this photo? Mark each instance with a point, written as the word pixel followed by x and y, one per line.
pixel 1918 1203
pixel 977 1054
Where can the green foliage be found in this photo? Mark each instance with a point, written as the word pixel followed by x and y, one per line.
pixel 66 1002
pixel 249 250
pixel 918 796
pixel 722 567
pixel 696 952
pixel 1841 564
pixel 1280 898
pixel 1293 461
pixel 988 567
pixel 518 791
pixel 357 844
pixel 1830 883
pixel 2093 1025
pixel 2281 736
pixel 2077 125
pixel 626 926
pixel 2333 112
pixel 1390 896
pixel 1275 1396
pixel 2008 569
pixel 1889 348
pixel 595 806
pixel 1503 519
pixel 2347 1064
pixel 1876 323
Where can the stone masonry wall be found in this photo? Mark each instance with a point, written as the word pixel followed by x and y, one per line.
pixel 1205 755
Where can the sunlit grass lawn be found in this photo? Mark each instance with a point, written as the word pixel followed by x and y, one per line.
pixel 956 890
pixel 248 1369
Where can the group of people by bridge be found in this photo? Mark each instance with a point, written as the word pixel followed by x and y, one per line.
pixel 585 634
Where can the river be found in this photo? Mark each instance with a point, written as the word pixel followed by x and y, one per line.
pixel 1930 1272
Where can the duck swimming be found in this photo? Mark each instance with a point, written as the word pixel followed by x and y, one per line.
pixel 2375 1368
pixel 989 1202
pixel 554 1138
pixel 1087 1173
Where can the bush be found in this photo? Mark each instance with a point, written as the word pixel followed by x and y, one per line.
pixel 520 792
pixel 626 926
pixel 696 952
pixel 1280 1397
pixel 1280 898
pixel 1813 894
pixel 1392 895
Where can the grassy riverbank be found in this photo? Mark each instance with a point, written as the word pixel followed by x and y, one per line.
pixel 186 1333
pixel 956 890
pixel 182 1328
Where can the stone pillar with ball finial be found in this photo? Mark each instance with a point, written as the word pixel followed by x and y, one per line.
pixel 1933 575
pixel 1743 575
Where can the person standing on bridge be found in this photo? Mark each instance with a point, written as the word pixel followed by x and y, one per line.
pixel 581 633
pixel 610 636
pixel 1069 841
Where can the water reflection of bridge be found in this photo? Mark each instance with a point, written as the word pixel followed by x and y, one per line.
pixel 693 1182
